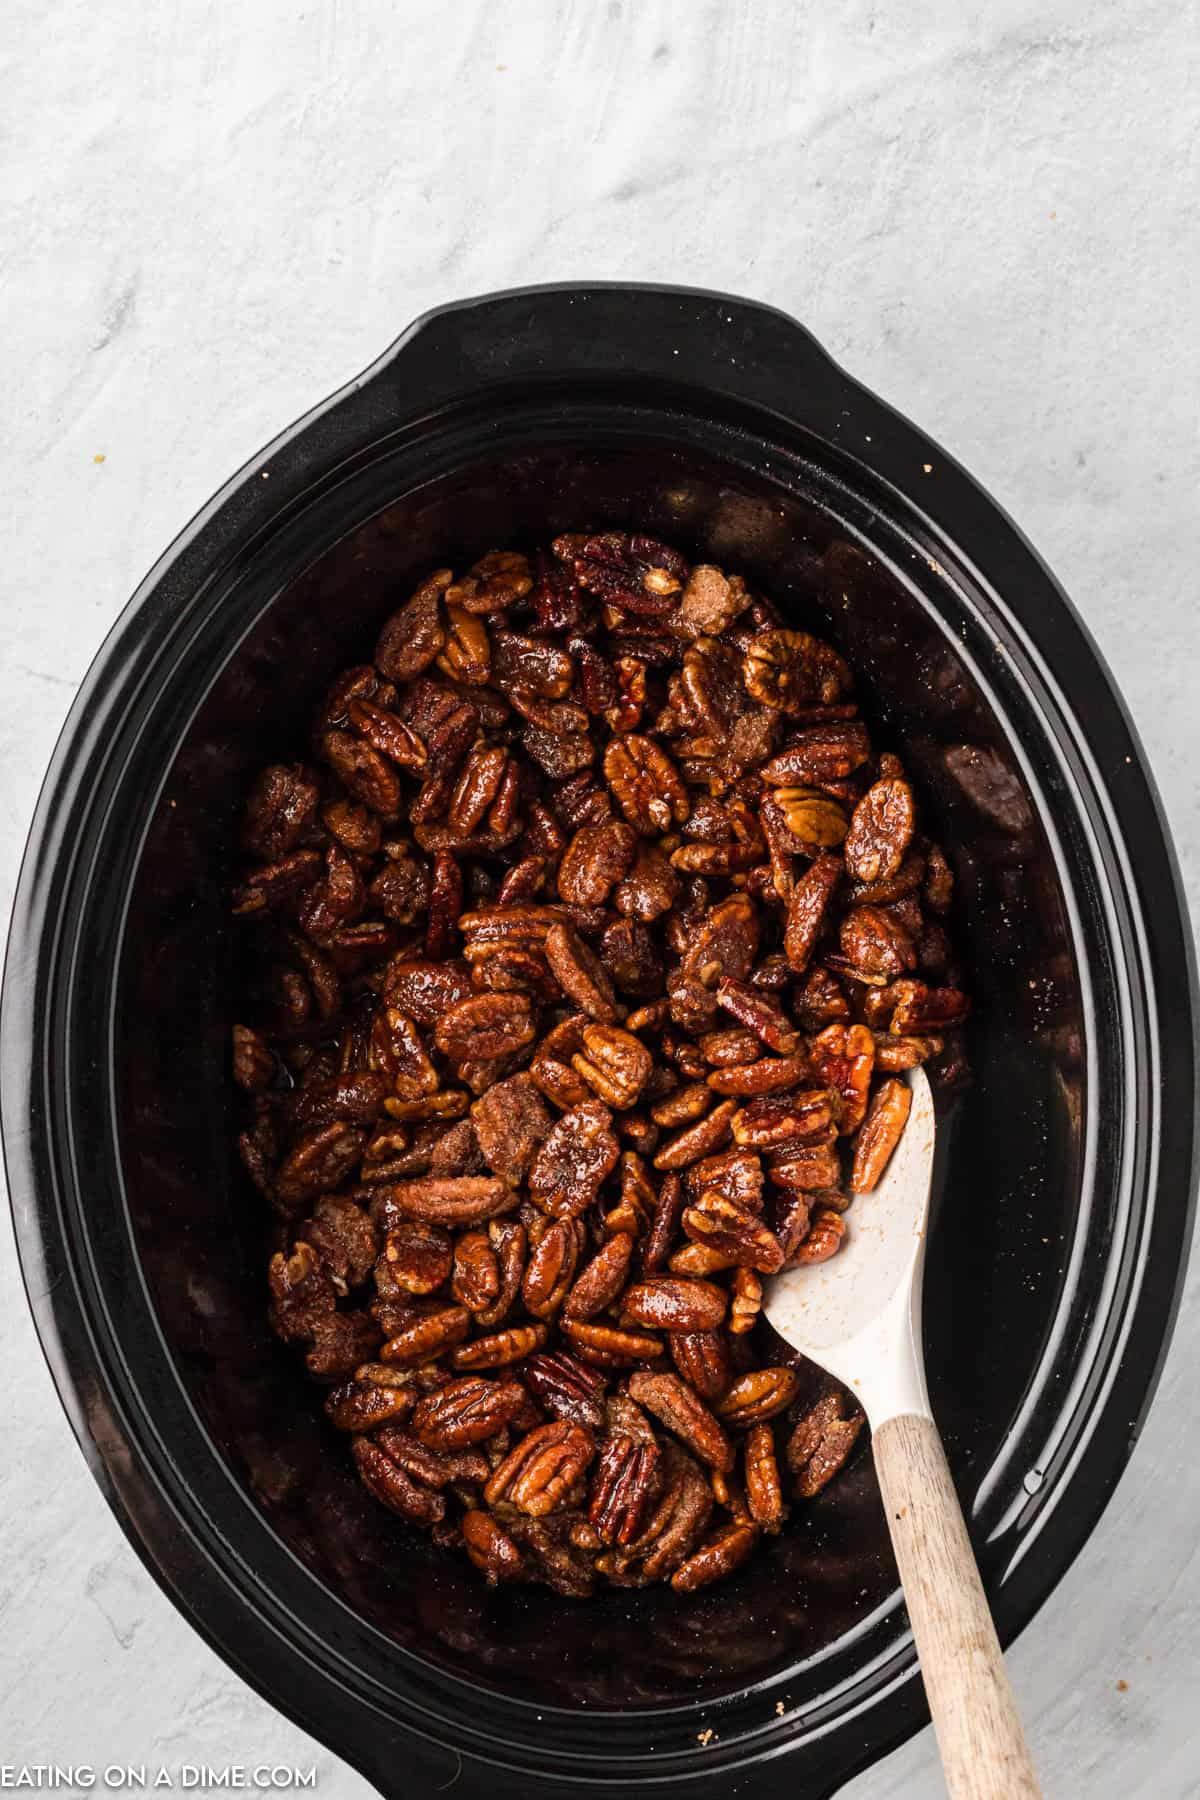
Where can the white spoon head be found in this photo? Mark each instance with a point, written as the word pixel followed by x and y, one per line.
pixel 858 1315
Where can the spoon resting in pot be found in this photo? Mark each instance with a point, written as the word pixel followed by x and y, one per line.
pixel 859 1317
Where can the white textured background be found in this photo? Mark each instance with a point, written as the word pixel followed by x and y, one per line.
pixel 212 213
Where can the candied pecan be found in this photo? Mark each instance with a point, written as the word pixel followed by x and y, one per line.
pixel 477 788
pixel 445 905
pixel 821 1443
pixel 920 1009
pixel 387 734
pixel 646 784
pixel 745 1300
pixel 396 1049
pixel 684 1106
pixel 813 819
pixel 733 1230
pixel 500 1348
pixel 764 1491
pixel 880 831
pixel 551 1267
pixel 725 944
pixel 280 810
pixel 361 1405
pixel 874 945
pixel 597 857
pixel 602 1280
pixel 896 1055
pixel 629 954
pixel 608 1347
pixel 671 1304
pixel 344 1237
pixel 578 1154
pixel 771 1074
pixel 466 1410
pixel 736 1174
pixel 448 1199
pixel 698 1140
pixel 758 1012
pixel 496 582
pixel 757 1395
pixel 824 1238
pixel 321 1160
pixel 467 653
pixel 615 1064
pixel 663 1225
pixel 414 635
pixel 626 1481
pixel 353 826
pixel 881 1131
pixel 511 1121
pixel 427 1337
pixel 800 1169
pixel 542 1471
pixel 425 990
pixel 367 775
pixel 491 1549
pixel 485 1026
pixel 270 886
pixel 778 1121
pixel 629 570
pixel 682 1412
pixel 254 1064
pixel 550 1547
pixel 789 670
pixel 719 1556
pixel 384 1478
pixel 843 1057
pixel 710 603
pixel 419 1256
pixel 819 753
pixel 528 665
pixel 566 1387
pixel 508 1240
pixel 476 1277
pixel 651 887
pixel 702 1358
pixel 580 973
pixel 821 1001
pixel 358 1098
pixel 807 908
pixel 678 1520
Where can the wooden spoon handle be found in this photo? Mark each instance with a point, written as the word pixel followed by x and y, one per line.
pixel 979 1734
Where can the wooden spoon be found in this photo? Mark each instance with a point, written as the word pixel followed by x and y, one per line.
pixel 859 1316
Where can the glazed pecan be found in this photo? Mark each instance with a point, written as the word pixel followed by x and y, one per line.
pixel 448 1200
pixel 645 784
pixel 551 1267
pixel 764 1491
pixel 614 1063
pixel 602 1280
pixel 466 1411
pixel 723 1553
pixel 476 1277
pixel 843 1057
pixel 626 1481
pixel 384 1478
pixel 579 1152
pixel 414 635
pixel 789 670
pixel 511 1121
pixel 682 1412
pixel 880 831
pixel 580 973
pixel 678 1520
pixel 363 1405
pixel 758 1395
pixel 668 1303
pixel 566 1387
pixel 745 1302
pixel 420 1256
pixel 607 1347
pixel 427 1337
pixel 880 1133
pixel 702 1358
pixel 733 1230
pixel 500 1348
pixel 543 1470
pixel 491 1549
pixel 595 860
pixel 820 1444
pixel 485 1026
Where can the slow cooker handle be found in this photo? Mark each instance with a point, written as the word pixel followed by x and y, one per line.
pixel 620 333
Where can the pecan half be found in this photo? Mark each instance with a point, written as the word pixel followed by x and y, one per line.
pixel 579 1153
pixel 758 1395
pixel 626 1481
pixel 682 1412
pixel 720 1556
pixel 566 1387
pixel 466 1411
pixel 821 1443
pixel 881 1131
pixel 542 1472
pixel 668 1303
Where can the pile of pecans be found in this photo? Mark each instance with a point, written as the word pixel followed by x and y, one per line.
pixel 587 957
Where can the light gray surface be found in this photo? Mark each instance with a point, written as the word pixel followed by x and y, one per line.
pixel 214 213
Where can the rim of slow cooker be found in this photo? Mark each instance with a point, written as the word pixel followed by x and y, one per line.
pixel 121 680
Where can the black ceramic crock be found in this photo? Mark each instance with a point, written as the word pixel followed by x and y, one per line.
pixel 1056 1263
